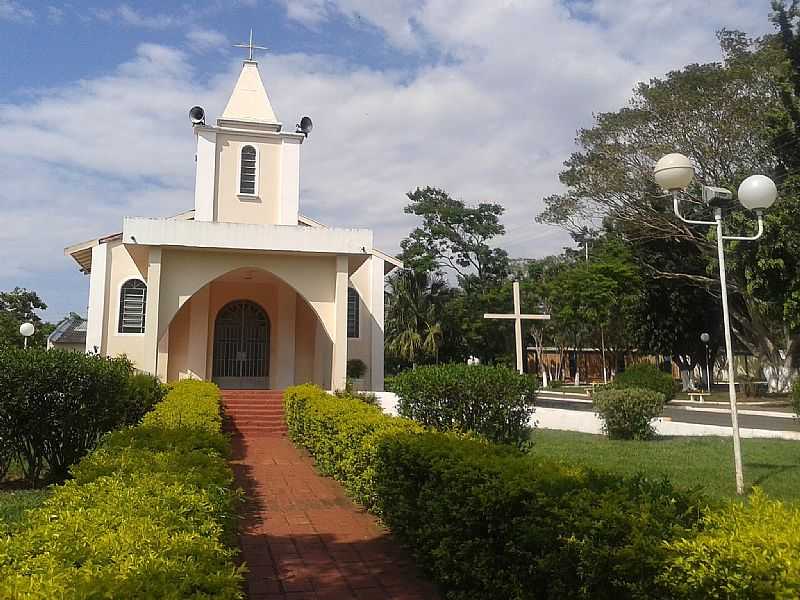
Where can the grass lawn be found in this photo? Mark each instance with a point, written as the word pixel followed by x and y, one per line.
pixel 14 503
pixel 688 461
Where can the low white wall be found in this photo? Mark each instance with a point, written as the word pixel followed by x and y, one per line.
pixel 588 422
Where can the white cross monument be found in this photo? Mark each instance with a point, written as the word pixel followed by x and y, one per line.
pixel 518 319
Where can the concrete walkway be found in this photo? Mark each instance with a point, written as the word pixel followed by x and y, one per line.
pixel 302 538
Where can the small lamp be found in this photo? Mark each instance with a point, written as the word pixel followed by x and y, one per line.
pixel 757 192
pixel 26 330
pixel 674 172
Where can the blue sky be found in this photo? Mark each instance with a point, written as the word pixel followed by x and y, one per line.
pixel 404 93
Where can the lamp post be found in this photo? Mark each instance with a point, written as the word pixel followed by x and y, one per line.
pixel 705 338
pixel 674 173
pixel 26 330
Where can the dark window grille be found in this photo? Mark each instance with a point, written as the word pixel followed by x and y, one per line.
pixel 132 306
pixel 352 313
pixel 247 175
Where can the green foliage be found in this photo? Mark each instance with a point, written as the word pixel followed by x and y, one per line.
pixel 746 551
pixel 17 307
pixel 356 368
pixel 627 412
pixel 343 435
pixel 487 522
pixel 796 398
pixel 145 391
pixel 454 236
pixel 55 405
pixel 645 375
pixel 14 506
pixel 496 402
pixel 147 515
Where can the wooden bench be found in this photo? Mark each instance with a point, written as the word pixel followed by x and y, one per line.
pixel 700 396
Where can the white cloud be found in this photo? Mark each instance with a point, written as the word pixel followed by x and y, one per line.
pixel 203 40
pixel 492 121
pixel 14 11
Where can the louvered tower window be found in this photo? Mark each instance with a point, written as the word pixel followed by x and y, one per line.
pixel 247 171
pixel 132 305
pixel 352 313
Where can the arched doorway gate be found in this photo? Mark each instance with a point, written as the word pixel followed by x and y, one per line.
pixel 241 346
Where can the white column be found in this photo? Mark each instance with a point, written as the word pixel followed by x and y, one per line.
pixel 282 373
pixel 151 318
pixel 339 361
pixel 198 333
pixel 376 309
pixel 97 314
pixel 290 182
pixel 205 176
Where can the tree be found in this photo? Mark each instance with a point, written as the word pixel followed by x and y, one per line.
pixel 413 328
pixel 19 306
pixel 723 116
pixel 455 236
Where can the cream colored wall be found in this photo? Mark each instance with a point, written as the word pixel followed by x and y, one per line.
pixel 178 363
pixel 230 206
pixel 304 345
pixel 127 262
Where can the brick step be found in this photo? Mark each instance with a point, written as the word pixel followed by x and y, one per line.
pixel 254 404
pixel 269 422
pixel 278 430
pixel 253 401
pixel 255 412
pixel 250 393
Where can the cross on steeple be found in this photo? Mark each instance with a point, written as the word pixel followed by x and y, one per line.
pixel 250 47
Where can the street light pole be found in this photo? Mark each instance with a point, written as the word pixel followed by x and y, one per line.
pixel 674 172
pixel 705 338
pixel 737 444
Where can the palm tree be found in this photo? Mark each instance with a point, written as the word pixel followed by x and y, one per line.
pixel 411 325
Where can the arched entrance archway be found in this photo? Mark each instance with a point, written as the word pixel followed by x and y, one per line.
pixel 241 346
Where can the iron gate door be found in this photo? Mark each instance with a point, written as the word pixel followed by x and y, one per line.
pixel 241 347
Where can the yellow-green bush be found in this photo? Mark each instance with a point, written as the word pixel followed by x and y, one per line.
pixel 744 552
pixel 149 514
pixel 342 434
pixel 486 521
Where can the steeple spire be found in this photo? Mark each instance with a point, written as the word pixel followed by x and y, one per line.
pixel 249 100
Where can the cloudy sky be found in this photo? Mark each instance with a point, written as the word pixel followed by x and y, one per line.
pixel 480 97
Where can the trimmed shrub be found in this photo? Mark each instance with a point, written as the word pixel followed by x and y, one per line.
pixel 745 551
pixel 356 368
pixel 487 521
pixel 627 413
pixel 58 404
pixel 342 434
pixel 148 515
pixel 144 392
pixel 645 375
pixel 492 401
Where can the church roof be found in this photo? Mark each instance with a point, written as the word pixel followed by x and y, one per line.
pixel 71 330
pixel 249 100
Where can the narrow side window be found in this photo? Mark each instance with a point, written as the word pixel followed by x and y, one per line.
pixel 132 306
pixel 247 171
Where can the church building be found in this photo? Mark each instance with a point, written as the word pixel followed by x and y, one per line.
pixel 243 290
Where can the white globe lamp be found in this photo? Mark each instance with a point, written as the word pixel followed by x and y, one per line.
pixel 674 172
pixel 757 192
pixel 26 330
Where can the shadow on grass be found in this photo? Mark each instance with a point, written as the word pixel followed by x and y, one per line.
pixel 773 470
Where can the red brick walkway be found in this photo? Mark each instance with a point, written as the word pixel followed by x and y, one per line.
pixel 302 538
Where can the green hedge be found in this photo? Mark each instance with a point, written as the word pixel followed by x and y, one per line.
pixel 645 375
pixel 745 551
pixel 493 401
pixel 149 514
pixel 486 521
pixel 55 406
pixel 627 413
pixel 796 398
pixel 343 435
